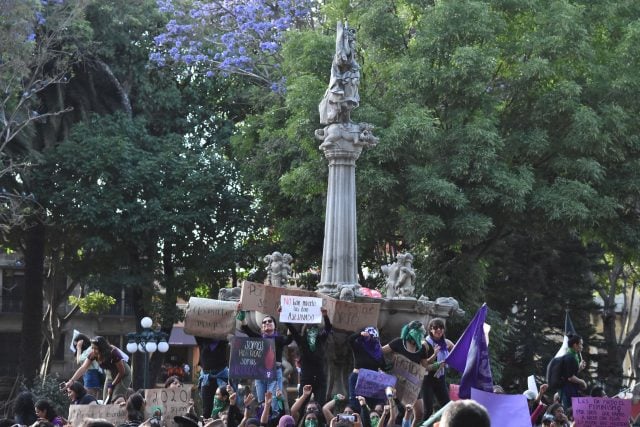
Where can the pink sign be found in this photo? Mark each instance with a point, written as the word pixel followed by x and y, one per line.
pixel 453 392
pixel 601 412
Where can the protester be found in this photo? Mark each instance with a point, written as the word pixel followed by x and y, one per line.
pixel 312 346
pixel 23 408
pixel 465 413
pixel 559 417
pixel 135 411
pixel 110 359
pixel 173 382
pixel 434 383
pixel 269 331
pixel 93 377
pixel 410 345
pixel 367 354
pixel 572 363
pixel 46 412
pixel 214 371
pixel 535 404
pixel 78 394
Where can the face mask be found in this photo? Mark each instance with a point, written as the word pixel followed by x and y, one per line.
pixel 312 335
pixel 310 423
pixel 375 421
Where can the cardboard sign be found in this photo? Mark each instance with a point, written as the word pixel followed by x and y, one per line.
pixel 504 409
pixel 409 379
pixel 601 411
pixel 300 309
pixel 210 318
pixel 115 414
pixel 252 358
pixel 265 298
pixel 351 316
pixel 373 383
pixel 171 401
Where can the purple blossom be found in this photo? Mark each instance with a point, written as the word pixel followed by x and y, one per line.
pixel 228 36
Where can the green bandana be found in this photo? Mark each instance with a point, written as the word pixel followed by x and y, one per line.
pixel 414 332
pixel 312 335
pixel 374 421
pixel 310 423
pixel 218 406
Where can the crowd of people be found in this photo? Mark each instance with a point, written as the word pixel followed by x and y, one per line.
pixel 231 402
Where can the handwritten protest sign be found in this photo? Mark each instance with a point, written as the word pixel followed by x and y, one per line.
pixel 300 309
pixel 265 298
pixel 351 316
pixel 373 383
pixel 210 318
pixel 171 401
pixel 601 411
pixel 115 414
pixel 409 379
pixel 252 358
pixel 504 409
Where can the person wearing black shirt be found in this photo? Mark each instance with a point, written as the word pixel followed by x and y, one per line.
pixel 312 345
pixel 214 370
pixel 410 345
pixel 367 354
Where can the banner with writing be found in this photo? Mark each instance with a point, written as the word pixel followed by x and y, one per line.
pixel 409 378
pixel 601 411
pixel 170 401
pixel 300 309
pixel 210 318
pixel 351 316
pixel 115 414
pixel 252 358
pixel 373 383
pixel 265 298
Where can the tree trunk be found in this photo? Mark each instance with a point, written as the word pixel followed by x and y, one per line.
pixel 31 339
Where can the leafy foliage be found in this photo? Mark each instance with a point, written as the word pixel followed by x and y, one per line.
pixel 94 302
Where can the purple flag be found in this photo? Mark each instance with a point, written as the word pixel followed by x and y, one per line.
pixel 470 356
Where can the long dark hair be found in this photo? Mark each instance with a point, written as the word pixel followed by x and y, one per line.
pixel 78 389
pixel 104 348
pixel 47 407
pixel 23 408
pixel 135 407
pixel 86 342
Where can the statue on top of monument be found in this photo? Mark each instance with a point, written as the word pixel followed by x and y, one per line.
pixel 342 95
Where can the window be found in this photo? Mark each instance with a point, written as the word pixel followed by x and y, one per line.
pixel 12 291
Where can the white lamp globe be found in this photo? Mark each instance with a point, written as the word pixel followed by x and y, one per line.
pixel 163 346
pixel 132 347
pixel 151 347
pixel 146 322
pixel 141 348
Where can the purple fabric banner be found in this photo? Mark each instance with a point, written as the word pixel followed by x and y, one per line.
pixel 504 409
pixel 470 356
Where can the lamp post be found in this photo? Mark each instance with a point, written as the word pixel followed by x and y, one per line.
pixel 147 342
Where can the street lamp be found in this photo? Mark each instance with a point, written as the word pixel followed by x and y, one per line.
pixel 147 342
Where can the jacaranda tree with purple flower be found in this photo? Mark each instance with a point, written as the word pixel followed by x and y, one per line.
pixel 224 37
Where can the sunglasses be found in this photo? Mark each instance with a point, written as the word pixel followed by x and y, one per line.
pixel 437 327
pixel 265 321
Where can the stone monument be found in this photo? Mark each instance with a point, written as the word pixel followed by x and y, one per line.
pixel 342 143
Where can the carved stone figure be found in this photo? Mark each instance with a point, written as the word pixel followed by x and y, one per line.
pixel 229 294
pixel 359 134
pixel 400 277
pixel 278 269
pixel 342 95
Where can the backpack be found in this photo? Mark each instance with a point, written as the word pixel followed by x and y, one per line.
pixel 554 373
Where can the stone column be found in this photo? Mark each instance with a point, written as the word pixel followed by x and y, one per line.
pixel 339 255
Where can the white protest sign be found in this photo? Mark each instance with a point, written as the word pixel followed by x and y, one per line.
pixel 297 309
